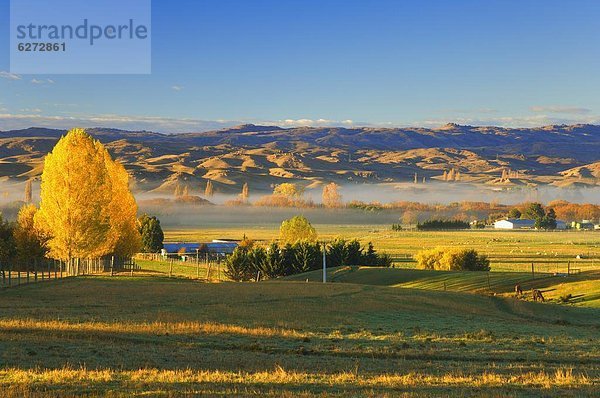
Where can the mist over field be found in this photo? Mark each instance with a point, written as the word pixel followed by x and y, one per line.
pixel 221 214
pixel 434 193
pixel 175 214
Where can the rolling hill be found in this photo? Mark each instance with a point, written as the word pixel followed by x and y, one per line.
pixel 267 155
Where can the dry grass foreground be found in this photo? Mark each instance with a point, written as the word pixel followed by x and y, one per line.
pixel 153 336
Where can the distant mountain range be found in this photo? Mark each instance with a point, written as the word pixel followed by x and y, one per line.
pixel 564 156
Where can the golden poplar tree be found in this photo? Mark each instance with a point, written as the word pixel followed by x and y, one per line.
pixel 331 197
pixel 245 193
pixel 86 208
pixel 451 175
pixel 29 242
pixel 28 190
pixel 125 239
pixel 209 191
pixel 289 190
pixel 297 229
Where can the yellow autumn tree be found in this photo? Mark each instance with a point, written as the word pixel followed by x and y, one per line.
pixel 29 242
pixel 297 229
pixel 125 237
pixel 209 190
pixel 28 190
pixel 86 207
pixel 331 195
pixel 245 193
pixel 288 190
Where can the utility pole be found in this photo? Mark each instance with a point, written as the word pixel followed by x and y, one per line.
pixel 324 263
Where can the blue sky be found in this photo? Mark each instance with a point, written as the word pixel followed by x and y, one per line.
pixel 377 63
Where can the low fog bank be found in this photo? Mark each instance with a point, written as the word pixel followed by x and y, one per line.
pixel 177 215
pixel 445 193
pixel 174 214
pixel 218 216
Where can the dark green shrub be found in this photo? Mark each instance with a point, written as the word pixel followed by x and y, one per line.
pixel 273 264
pixel 307 256
pixel 442 224
pixel 337 253
pixel 239 266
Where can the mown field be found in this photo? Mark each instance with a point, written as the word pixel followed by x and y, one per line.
pixel 150 335
pixel 550 252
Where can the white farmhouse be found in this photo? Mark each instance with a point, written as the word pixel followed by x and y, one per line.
pixel 514 223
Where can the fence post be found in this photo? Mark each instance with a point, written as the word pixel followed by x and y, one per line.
pixel 171 268
pixel 532 271
pixel 208 269
pixel 112 265
pixel 18 277
pixel 9 275
pixel 197 264
pixel 569 268
pixel 132 264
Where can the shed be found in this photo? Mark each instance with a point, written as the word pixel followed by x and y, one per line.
pixel 514 223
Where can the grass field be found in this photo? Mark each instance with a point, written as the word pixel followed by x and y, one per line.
pixel 380 332
pixel 190 270
pixel 584 287
pixel 508 250
pixel 151 335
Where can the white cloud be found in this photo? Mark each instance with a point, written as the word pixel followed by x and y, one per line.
pixel 9 76
pixel 34 117
pixel 312 123
pixel 510 121
pixel 160 124
pixel 42 81
pixel 176 88
pixel 573 110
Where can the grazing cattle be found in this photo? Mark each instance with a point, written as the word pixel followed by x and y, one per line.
pixel 537 295
pixel 518 290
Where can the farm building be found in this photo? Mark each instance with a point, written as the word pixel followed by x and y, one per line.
pixel 583 225
pixel 517 223
pixel 217 246
pixel 514 223
pixel 561 224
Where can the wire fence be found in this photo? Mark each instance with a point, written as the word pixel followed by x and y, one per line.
pixel 201 266
pixel 551 264
pixel 46 270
